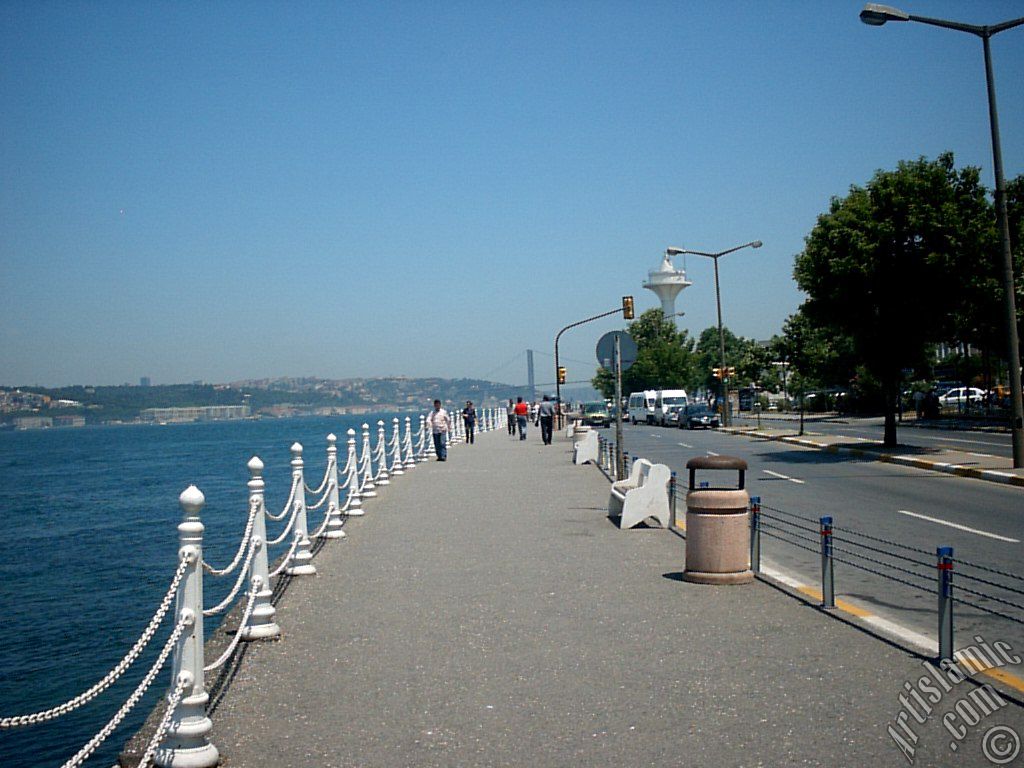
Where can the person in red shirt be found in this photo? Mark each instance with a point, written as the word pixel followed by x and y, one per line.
pixel 522 414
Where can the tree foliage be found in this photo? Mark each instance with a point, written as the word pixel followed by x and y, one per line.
pixel 880 268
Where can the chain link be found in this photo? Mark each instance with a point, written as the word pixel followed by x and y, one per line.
pixel 251 550
pixel 287 528
pixel 91 746
pixel 288 557
pixel 253 509
pixel 254 588
pixel 172 704
pixel 327 476
pixel 111 677
pixel 287 505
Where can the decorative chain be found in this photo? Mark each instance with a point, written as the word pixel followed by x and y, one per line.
pixel 184 681
pixel 111 677
pixel 288 504
pixel 250 551
pixel 327 476
pixel 287 558
pixel 254 507
pixel 254 588
pixel 287 528
pixel 91 746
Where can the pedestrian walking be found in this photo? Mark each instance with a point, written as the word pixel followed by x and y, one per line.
pixel 469 419
pixel 439 422
pixel 510 414
pixel 546 417
pixel 522 411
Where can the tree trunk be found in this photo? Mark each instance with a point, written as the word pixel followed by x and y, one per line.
pixel 891 394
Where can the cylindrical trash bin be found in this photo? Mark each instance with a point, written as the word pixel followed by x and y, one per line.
pixel 717 526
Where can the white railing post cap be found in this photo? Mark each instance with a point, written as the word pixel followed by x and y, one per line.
pixel 192 500
pixel 255 466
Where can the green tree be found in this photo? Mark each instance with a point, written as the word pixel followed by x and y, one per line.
pixel 876 267
pixel 665 357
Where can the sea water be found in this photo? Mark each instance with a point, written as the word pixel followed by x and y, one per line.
pixel 88 547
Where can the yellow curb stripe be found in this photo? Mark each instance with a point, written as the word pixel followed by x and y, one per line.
pixel 840 604
pixel 1004 677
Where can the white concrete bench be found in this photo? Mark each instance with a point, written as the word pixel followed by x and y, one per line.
pixel 642 495
pixel 586 447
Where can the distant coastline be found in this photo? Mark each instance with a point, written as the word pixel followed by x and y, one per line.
pixel 30 407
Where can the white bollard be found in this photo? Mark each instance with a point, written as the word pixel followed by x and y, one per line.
pixel 186 744
pixel 410 459
pixel 382 477
pixel 396 448
pixel 261 623
pixel 353 504
pixel 366 486
pixel 334 529
pixel 301 563
pixel 426 447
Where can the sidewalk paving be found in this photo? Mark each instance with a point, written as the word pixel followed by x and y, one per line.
pixel 486 612
pixel 996 469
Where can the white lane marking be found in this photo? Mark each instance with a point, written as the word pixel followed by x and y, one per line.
pixel 712 453
pixel 961 440
pixel 686 445
pixel 983 455
pixel 782 477
pixel 959 527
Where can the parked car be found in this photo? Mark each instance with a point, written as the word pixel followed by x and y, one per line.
pixel 595 414
pixel 699 417
pixel 673 415
pixel 962 396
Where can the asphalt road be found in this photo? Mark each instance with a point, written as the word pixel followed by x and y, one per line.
pixel 883 500
pixel 982 444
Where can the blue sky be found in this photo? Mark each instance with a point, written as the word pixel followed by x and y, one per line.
pixel 229 190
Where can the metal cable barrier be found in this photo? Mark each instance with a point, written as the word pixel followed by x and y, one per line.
pixel 987 590
pixel 182 732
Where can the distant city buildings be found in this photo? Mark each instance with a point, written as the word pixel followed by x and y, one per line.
pixel 195 413
pixel 145 381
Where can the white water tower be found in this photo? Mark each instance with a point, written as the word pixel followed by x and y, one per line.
pixel 667 282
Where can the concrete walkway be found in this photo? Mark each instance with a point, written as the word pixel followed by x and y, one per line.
pixel 995 469
pixel 486 612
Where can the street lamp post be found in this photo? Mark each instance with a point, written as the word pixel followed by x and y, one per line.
pixel 718 299
pixel 876 15
pixel 558 336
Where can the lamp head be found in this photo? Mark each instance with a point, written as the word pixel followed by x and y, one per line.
pixel 876 14
pixel 670 251
pixel 756 244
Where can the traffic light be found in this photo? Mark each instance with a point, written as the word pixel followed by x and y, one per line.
pixel 730 371
pixel 716 372
pixel 627 307
pixel 561 374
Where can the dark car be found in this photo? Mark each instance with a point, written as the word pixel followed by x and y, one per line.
pixel 699 417
pixel 595 414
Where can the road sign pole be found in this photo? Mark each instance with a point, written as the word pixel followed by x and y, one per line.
pixel 618 404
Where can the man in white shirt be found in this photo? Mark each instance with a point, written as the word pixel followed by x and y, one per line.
pixel 439 422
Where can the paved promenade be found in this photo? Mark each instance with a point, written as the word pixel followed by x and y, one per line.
pixel 486 612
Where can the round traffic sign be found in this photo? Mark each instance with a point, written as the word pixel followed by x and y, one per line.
pixel 606 350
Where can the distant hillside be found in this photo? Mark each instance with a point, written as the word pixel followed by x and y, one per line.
pixel 282 396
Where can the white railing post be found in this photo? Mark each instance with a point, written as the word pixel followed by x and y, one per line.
pixel 261 624
pixel 426 449
pixel 396 447
pixel 366 487
pixel 410 459
pixel 334 528
pixel 186 744
pixel 300 563
pixel 382 477
pixel 353 504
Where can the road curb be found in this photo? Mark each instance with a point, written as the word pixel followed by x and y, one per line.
pixel 989 475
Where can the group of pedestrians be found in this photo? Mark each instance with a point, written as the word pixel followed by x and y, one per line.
pixel 542 414
pixel 440 423
pixel 519 416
